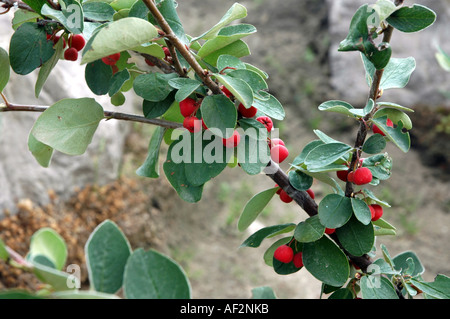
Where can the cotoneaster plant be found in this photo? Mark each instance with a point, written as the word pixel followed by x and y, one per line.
pixel 198 91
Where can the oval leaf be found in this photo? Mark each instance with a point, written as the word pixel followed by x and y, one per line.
pixel 118 36
pixel 151 275
pixel 69 125
pixel 412 19
pixel 4 68
pixel 107 252
pixel 323 155
pixel 256 239
pixel 254 207
pixel 335 210
pixel 47 242
pixel 355 237
pixel 377 287
pixel 309 230
pixel 219 112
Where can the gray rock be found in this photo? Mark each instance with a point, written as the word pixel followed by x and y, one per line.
pixel 20 174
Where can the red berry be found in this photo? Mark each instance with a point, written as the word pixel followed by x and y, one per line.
pixel 188 106
pixel 284 254
pixel 362 176
pixel 329 231
pixel 226 92
pixel 78 42
pixel 279 153
pixel 71 54
pixel 111 59
pixel 377 130
pixel 149 62
pixel 192 124
pixel 311 193
pixel 266 121
pixel 247 112
pixel 285 197
pixel 350 176
pixel 275 141
pixel 233 140
pixel 298 260
pixel 342 175
pixel 56 39
pixel 377 211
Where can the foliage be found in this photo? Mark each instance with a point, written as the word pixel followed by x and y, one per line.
pixel 208 68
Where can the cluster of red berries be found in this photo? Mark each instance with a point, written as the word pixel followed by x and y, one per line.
pixel 284 197
pixel 376 211
pixel 278 150
pixel 112 60
pixel 76 43
pixel 285 254
pixel 167 57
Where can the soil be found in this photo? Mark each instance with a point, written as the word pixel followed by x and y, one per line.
pixel 203 237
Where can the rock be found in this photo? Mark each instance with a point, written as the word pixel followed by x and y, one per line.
pixel 20 174
pixel 427 81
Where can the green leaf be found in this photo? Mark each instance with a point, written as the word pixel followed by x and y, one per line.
pixel 396 74
pixel 377 287
pixel 98 76
pixel 270 107
pixel 396 135
pixel 153 110
pixel 394 106
pixel 150 167
pixel 412 19
pixel 47 67
pixel 337 107
pixel 174 169
pixel 374 144
pixel 342 293
pixel 253 153
pixel 257 238
pixel 382 227
pixel 309 230
pixel 361 210
pixel 439 288
pixel 300 159
pixel 152 275
pixel 326 154
pixel 229 61
pixel 21 16
pixel 300 181
pixel 117 81
pixel 17 294
pixel 208 158
pixel 107 251
pixel 395 115
pixel 239 88
pixel 169 12
pixel 70 16
pixel 237 11
pixel 264 292
pixel 29 48
pixel 372 196
pixel 4 68
pixel 118 36
pixel 41 152
pixel 237 49
pixel 49 243
pixel 443 59
pixel 355 237
pixel 254 207
pixel 256 81
pixel 383 8
pixel 185 87
pixel 323 177
pixel 69 125
pixel 335 210
pixel 226 36
pixel 360 39
pixel 98 11
pixel 219 112
pixel 36 5
pixel 401 263
pixel 153 87
pixel 326 262
pixel 4 255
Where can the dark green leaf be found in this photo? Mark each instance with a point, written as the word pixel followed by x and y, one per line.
pixel 228 61
pixel 152 275
pixel 377 287
pixel 271 107
pixel 153 87
pixel 342 293
pixel 4 68
pixel 401 263
pixel 36 5
pixel 117 81
pixel 253 153
pixel 150 168
pixel 355 237
pixel 335 210
pixel 308 148
pixel 29 48
pixel 239 88
pixel 326 261
pixel 361 210
pixel 107 252
pixel 396 135
pixel 257 238
pixel 412 19
pixel 337 107
pixel 47 67
pixel 219 112
pixel 300 180
pixel 439 288
pixel 309 230
pixel 98 11
pixel 153 110
pixel 98 77
pixel 254 207
pixel 374 144
pixel 263 293
pixel 326 154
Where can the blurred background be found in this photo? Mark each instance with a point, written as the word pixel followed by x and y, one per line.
pixel 296 44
